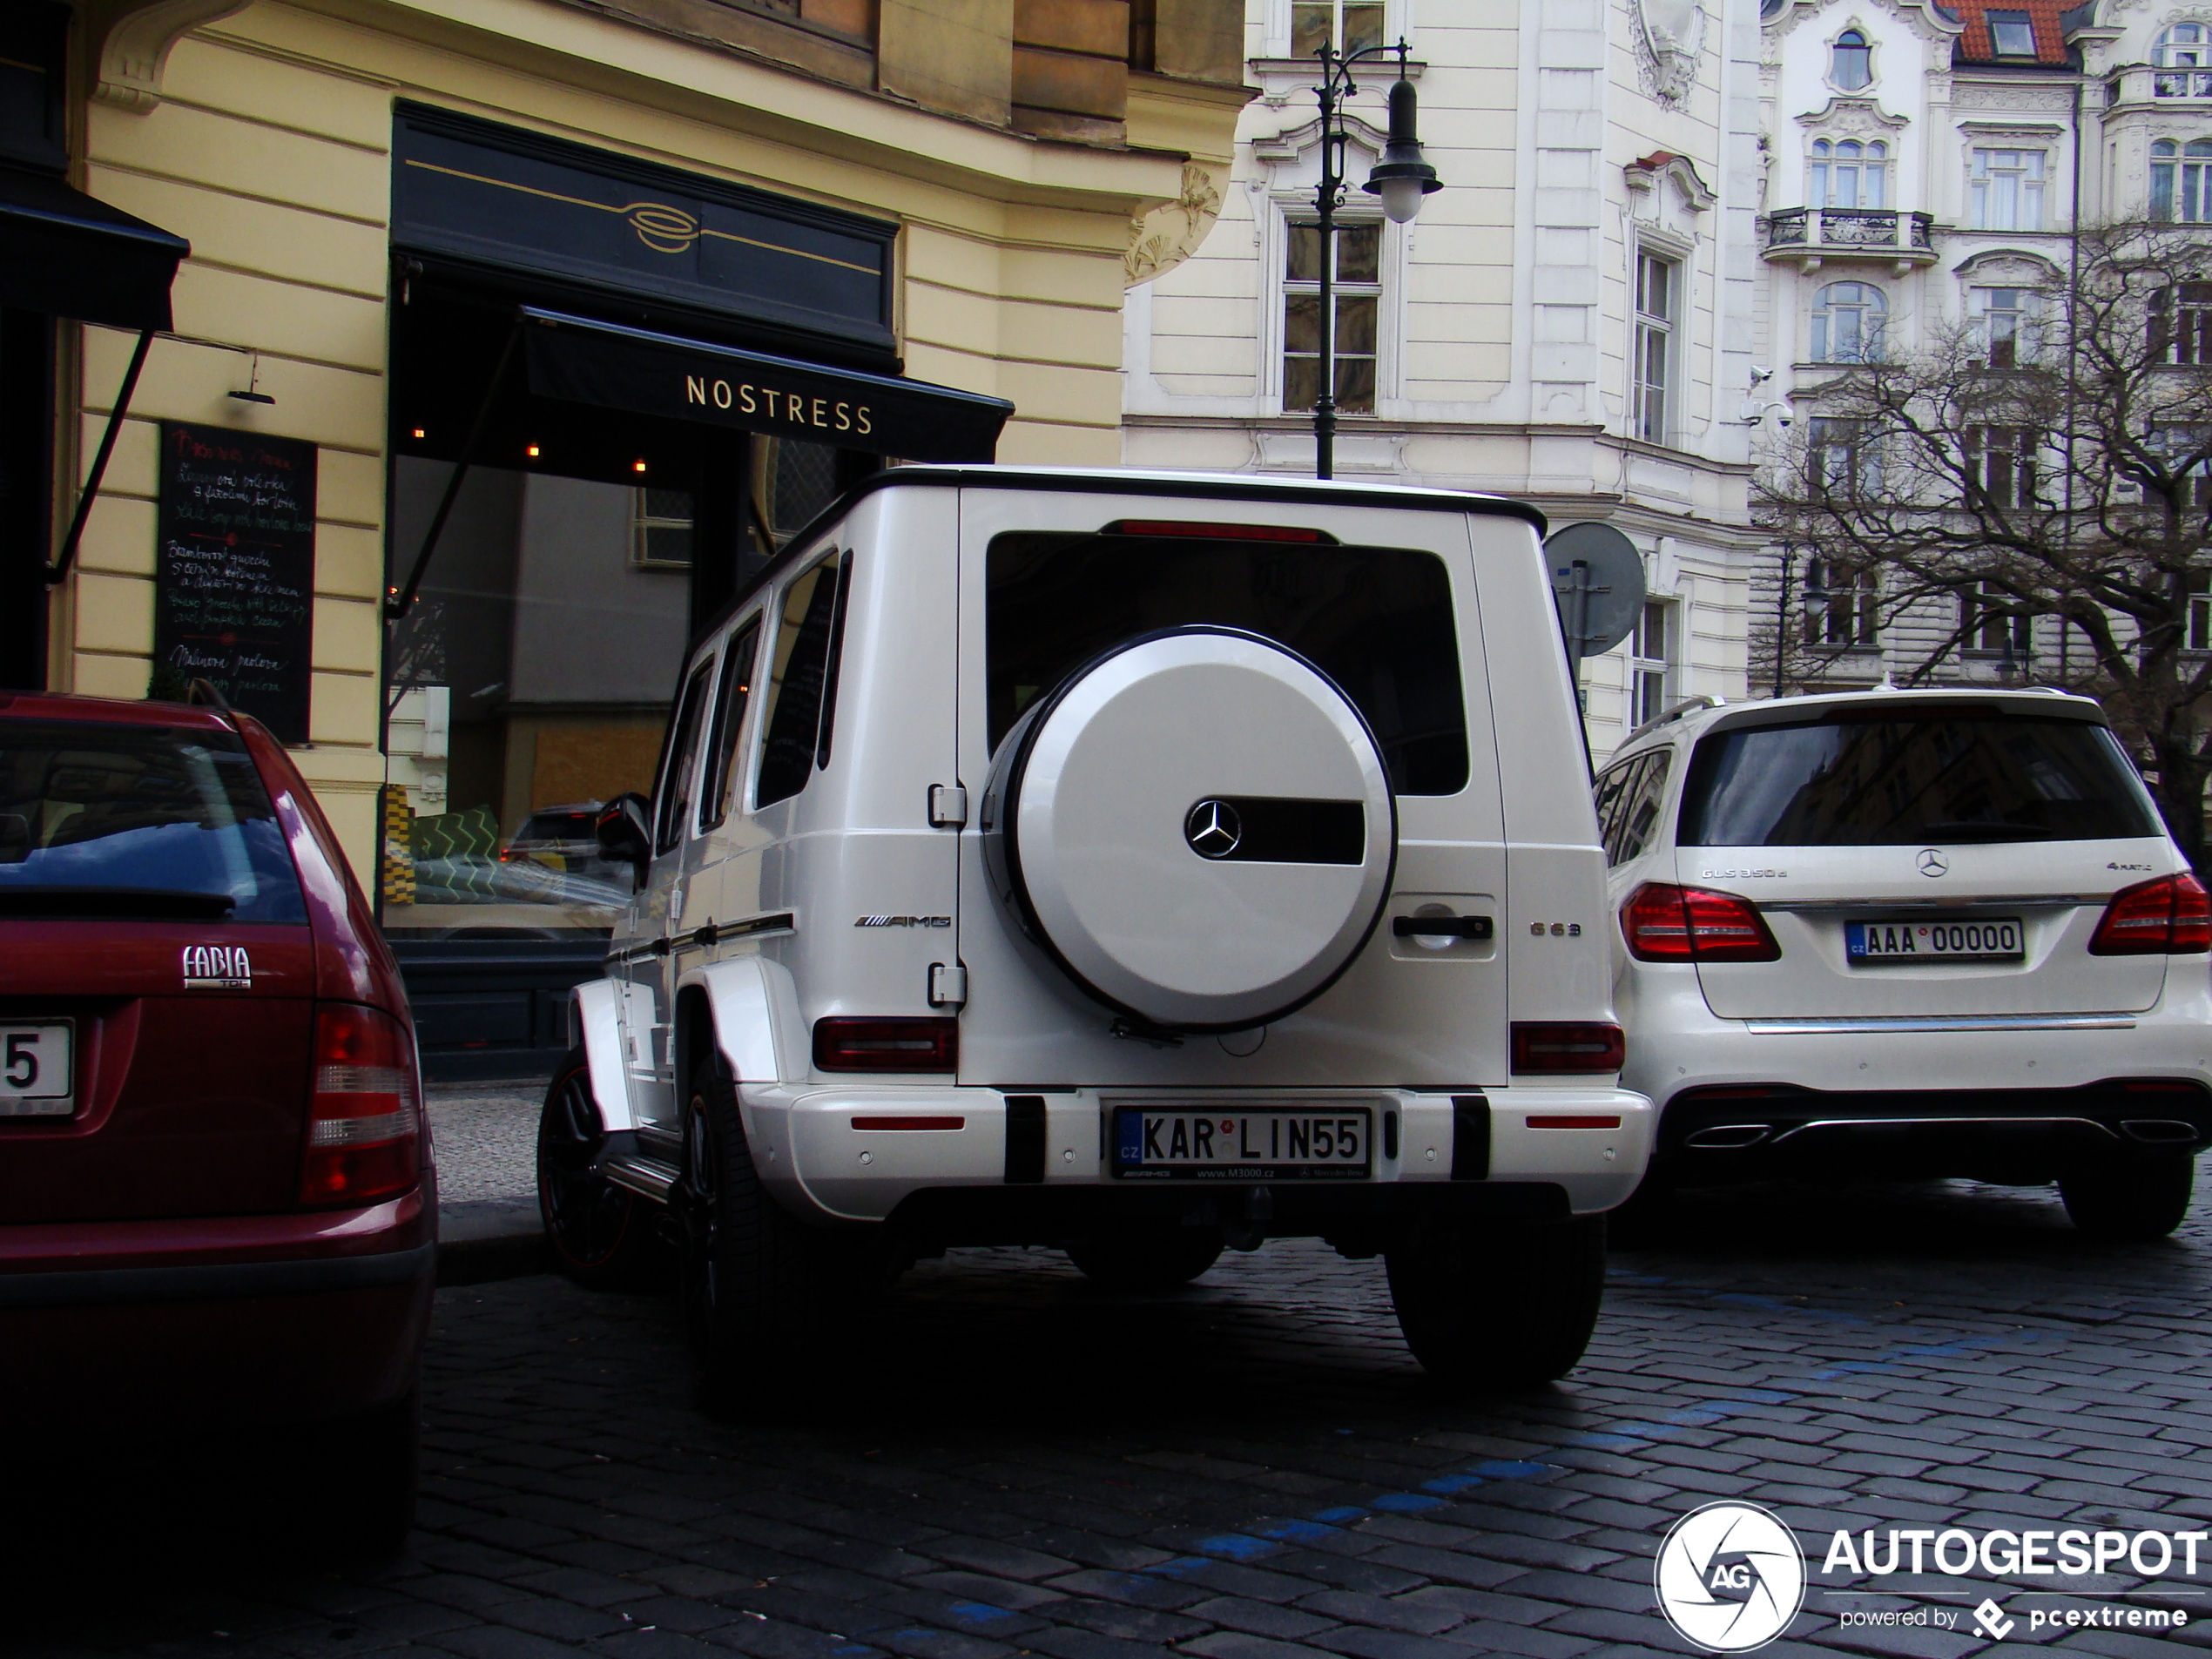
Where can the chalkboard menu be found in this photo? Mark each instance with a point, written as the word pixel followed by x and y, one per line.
pixel 234 589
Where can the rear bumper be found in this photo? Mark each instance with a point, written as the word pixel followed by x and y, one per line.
pixel 162 1326
pixel 1584 1146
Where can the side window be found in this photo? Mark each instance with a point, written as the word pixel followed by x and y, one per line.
pixel 726 774
pixel 1640 814
pixel 677 771
pixel 1614 786
pixel 801 683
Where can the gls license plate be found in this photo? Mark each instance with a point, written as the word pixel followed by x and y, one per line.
pixel 1995 938
pixel 37 1071
pixel 1241 1144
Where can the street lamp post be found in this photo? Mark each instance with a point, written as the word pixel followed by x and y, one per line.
pixel 1401 178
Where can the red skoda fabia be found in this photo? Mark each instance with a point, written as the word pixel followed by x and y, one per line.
pixel 216 1205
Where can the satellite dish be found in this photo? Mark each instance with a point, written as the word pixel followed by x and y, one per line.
pixel 1597 578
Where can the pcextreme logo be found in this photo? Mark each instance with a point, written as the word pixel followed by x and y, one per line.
pixel 1729 1577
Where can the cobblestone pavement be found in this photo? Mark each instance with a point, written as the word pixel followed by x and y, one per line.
pixel 486 1135
pixel 1010 1462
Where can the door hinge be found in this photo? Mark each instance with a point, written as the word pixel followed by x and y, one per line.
pixel 948 985
pixel 948 806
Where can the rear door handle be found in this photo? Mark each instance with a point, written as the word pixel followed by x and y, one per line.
pixel 1441 926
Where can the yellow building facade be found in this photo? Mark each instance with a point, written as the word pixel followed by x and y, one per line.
pixel 1006 157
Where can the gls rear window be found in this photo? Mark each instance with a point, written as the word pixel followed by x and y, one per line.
pixel 140 821
pixel 1376 620
pixel 1963 777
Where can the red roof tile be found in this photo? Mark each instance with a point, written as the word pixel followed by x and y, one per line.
pixel 1975 46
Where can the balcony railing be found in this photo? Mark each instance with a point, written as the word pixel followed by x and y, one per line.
pixel 1872 230
pixel 2181 83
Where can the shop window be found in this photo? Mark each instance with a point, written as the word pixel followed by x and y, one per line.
pixel 1347 25
pixel 1358 279
pixel 793 481
pixel 1842 605
pixel 2004 190
pixel 34 69
pixel 661 529
pixel 1847 320
pixel 2183 59
pixel 802 683
pixel 2011 34
pixel 1658 297
pixel 2004 323
pixel 2181 181
pixel 1653 663
pixel 2000 465
pixel 672 811
pixel 1847 172
pixel 1851 62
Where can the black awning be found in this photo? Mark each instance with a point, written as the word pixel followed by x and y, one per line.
pixel 63 252
pixel 583 361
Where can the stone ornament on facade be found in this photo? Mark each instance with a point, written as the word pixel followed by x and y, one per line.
pixel 1670 37
pixel 1854 117
pixel 1162 239
pixel 136 43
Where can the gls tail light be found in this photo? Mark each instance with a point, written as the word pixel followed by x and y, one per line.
pixel 2170 916
pixel 364 1116
pixel 1670 924
pixel 873 1043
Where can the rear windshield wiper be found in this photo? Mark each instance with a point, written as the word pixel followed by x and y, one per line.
pixel 94 904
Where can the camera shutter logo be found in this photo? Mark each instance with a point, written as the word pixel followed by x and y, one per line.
pixel 1729 1577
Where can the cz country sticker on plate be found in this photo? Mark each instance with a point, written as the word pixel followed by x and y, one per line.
pixel 1995 938
pixel 1242 1143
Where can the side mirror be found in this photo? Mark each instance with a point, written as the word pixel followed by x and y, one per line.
pixel 623 832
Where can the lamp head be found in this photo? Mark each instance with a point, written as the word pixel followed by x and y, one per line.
pixel 1402 176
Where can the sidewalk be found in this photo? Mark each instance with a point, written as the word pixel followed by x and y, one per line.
pixel 486 1137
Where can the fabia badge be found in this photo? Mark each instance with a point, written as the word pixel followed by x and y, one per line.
pixel 1213 829
pixel 1729 1577
pixel 217 968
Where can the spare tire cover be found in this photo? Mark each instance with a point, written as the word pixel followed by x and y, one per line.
pixel 1198 828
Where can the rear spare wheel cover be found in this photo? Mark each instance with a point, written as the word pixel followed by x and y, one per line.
pixel 1198 827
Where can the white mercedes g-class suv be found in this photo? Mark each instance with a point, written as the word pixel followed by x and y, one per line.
pixel 1132 864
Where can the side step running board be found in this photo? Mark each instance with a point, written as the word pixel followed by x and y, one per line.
pixel 649 1177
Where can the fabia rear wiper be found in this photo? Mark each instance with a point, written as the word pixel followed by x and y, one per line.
pixel 99 904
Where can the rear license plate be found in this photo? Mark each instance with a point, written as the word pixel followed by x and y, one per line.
pixel 38 1070
pixel 1996 939
pixel 1242 1143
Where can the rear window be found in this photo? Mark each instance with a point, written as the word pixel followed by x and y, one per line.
pixel 1376 620
pixel 1963 777
pixel 140 821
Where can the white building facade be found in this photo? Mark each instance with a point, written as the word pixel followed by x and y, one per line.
pixel 1571 321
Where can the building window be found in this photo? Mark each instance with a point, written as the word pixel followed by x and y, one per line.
pixel 1846 173
pixel 1658 298
pixel 2003 322
pixel 2000 462
pixel 1839 460
pixel 1847 323
pixel 2184 59
pixel 660 529
pixel 2180 324
pixel 1652 666
pixel 2004 190
pixel 1348 25
pixel 2186 448
pixel 1842 605
pixel 1851 62
pixel 2201 611
pixel 2011 35
pixel 1358 294
pixel 1983 627
pixel 2181 181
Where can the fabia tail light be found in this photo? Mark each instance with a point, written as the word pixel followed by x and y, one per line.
pixel 2170 916
pixel 1670 924
pixel 364 1115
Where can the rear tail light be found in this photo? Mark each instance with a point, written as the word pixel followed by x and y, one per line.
pixel 1540 1046
pixel 365 1113
pixel 870 1044
pixel 1670 924
pixel 2168 917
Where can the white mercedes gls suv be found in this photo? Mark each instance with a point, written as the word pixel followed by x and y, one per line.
pixel 1137 865
pixel 1911 934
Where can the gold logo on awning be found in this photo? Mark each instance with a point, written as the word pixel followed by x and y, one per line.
pixel 662 228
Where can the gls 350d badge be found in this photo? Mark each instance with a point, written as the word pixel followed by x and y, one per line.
pixel 1729 1577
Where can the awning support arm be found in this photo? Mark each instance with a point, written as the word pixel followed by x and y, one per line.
pixel 59 567
pixel 397 605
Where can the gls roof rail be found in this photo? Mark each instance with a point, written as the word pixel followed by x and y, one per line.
pixel 1668 717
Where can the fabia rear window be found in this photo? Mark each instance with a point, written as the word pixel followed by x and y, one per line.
pixel 1376 620
pixel 143 822
pixel 1946 778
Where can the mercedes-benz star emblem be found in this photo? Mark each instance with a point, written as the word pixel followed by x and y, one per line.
pixel 1213 829
pixel 1933 862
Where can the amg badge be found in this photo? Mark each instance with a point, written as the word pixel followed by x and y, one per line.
pixel 904 922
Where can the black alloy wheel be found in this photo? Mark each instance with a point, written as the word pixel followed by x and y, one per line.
pixel 604 1236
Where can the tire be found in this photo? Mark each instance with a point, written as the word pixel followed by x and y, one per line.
pixel 1147 1261
pixel 604 1236
pixel 364 1472
pixel 2131 1200
pixel 765 1295
pixel 1499 1305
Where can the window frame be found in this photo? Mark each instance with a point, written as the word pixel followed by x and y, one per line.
pixel 2017 453
pixel 1857 605
pixel 2019 346
pixel 1832 437
pixel 1853 39
pixel 1867 167
pixel 1997 20
pixel 1375 291
pixel 727 779
pixel 1284 30
pixel 1651 398
pixel 2182 60
pixel 1873 322
pixel 2181 181
pixel 686 728
pixel 2026 197
pixel 1980 622
pixel 1648 671
pixel 840 566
